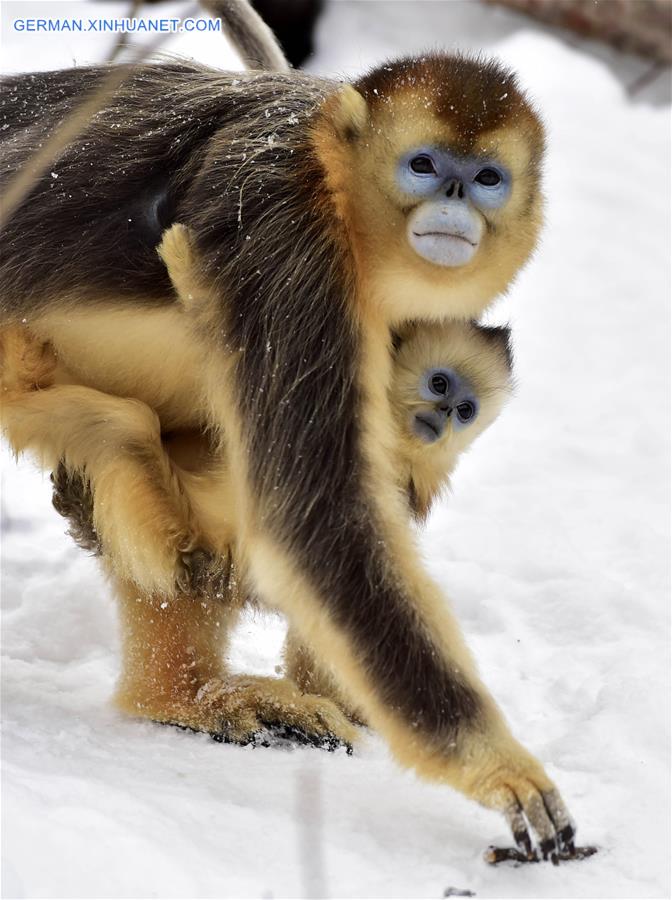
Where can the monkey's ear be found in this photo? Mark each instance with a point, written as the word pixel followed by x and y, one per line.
pixel 348 113
pixel 499 336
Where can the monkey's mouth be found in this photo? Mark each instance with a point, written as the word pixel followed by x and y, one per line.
pixel 444 234
pixel 427 427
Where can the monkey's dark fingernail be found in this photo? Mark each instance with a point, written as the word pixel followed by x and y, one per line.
pixel 547 847
pixel 523 841
pixel 566 838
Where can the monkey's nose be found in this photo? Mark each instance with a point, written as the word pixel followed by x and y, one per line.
pixel 455 188
pixel 446 409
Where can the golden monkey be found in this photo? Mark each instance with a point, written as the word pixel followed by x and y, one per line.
pixel 324 216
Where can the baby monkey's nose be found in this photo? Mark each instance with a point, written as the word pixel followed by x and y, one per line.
pixel 446 409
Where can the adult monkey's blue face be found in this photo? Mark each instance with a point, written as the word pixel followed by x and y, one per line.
pixel 438 179
pixel 455 194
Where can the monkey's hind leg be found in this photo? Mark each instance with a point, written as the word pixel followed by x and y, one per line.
pixel 173 672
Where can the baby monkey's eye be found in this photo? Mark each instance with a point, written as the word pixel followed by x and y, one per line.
pixel 439 384
pixel 488 177
pixel 466 411
pixel 423 165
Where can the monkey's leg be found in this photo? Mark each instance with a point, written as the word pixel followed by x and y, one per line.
pixel 173 646
pixel 140 514
pixel 173 672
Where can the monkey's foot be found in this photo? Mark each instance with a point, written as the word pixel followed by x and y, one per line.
pixel 286 736
pixel 248 709
pixel 496 855
pixel 271 711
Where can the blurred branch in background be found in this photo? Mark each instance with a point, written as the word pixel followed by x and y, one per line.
pixel 291 21
pixel 643 27
pixel 122 41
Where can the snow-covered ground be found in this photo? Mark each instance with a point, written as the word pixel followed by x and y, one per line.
pixel 553 550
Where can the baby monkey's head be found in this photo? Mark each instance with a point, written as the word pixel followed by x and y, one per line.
pixel 450 383
pixel 449 403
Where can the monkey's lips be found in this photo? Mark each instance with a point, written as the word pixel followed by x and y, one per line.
pixel 445 248
pixel 428 427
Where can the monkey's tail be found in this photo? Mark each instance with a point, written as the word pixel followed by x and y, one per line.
pixel 251 36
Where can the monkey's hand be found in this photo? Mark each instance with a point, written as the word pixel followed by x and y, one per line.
pixel 72 499
pixel 499 773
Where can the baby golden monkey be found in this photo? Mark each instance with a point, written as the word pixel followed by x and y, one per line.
pixel 449 383
pixel 324 216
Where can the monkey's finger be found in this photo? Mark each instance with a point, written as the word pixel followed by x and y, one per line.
pixel 518 825
pixel 562 821
pixel 535 813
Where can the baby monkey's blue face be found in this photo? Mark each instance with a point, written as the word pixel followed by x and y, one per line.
pixel 447 398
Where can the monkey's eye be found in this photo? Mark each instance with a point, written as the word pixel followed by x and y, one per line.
pixel 466 411
pixel 439 384
pixel 423 165
pixel 488 178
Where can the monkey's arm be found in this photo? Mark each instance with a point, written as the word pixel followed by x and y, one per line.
pixel 349 582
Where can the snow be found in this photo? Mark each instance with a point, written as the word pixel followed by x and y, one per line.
pixel 554 550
